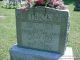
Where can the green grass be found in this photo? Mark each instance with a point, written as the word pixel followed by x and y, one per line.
pixel 8 31
pixel 74 35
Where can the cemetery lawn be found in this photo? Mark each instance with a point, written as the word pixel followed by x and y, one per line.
pixel 8 31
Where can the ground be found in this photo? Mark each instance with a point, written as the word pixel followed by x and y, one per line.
pixel 8 31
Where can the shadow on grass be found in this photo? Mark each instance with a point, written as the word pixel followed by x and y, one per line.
pixel 67 2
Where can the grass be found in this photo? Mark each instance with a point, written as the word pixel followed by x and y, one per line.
pixel 74 35
pixel 8 31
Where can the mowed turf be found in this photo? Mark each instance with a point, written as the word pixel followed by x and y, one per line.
pixel 8 31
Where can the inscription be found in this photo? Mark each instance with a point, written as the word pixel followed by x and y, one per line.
pixel 40 35
pixel 40 16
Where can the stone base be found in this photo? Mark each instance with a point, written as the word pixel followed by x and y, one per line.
pixel 18 53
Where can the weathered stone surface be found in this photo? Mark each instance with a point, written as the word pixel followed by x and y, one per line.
pixel 42 28
pixel 18 53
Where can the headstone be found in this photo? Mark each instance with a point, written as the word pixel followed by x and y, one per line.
pixel 42 28
pixel 77 5
pixel 41 31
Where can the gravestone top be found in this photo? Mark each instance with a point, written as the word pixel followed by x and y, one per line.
pixel 44 7
pixel 42 28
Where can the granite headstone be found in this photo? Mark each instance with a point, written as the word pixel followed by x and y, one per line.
pixel 42 28
pixel 41 32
